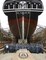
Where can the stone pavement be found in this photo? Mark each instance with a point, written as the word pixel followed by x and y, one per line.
pixel 22 54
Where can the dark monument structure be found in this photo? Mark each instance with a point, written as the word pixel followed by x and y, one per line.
pixel 22 18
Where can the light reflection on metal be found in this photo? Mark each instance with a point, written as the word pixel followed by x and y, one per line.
pixel 36 6
pixel 22 27
pixel 21 10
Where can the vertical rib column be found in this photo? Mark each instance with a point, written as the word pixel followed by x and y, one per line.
pixel 23 27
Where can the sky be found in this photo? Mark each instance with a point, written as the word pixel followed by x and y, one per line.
pixel 4 18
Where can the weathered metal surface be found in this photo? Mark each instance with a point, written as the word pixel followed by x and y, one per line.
pixel 16 10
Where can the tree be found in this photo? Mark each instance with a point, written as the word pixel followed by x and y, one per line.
pixel 1 36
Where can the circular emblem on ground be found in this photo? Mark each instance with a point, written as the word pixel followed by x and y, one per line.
pixel 23 55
